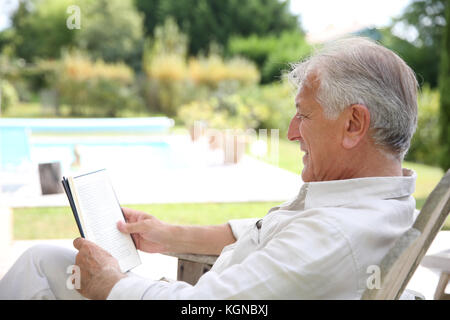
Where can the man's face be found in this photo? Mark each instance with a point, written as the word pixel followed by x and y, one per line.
pixel 319 137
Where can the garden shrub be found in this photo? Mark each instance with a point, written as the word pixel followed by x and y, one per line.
pixel 213 70
pixel 95 88
pixel 8 96
pixel 425 142
pixel 175 80
pixel 257 107
pixel 271 53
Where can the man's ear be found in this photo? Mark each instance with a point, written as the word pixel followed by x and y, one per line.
pixel 357 122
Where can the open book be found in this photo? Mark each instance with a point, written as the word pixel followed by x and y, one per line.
pixel 97 211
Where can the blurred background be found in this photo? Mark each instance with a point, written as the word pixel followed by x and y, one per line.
pixel 121 84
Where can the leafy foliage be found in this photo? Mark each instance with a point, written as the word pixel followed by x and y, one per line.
pixel 105 88
pixel 424 60
pixel 252 107
pixel 215 21
pixel 425 20
pixel 271 53
pixel 428 18
pixel 111 30
pixel 425 142
pixel 39 29
pixel 444 87
pixel 175 80
pixel 8 95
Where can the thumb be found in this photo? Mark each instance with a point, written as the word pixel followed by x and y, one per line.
pixel 133 227
pixel 78 242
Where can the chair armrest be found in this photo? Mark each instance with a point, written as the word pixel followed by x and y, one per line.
pixel 192 266
pixel 199 258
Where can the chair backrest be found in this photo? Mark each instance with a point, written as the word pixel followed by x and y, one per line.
pixel 400 263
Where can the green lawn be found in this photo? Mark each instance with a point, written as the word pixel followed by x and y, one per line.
pixel 58 222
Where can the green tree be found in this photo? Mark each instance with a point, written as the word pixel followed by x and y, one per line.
pixel 425 21
pixel 444 87
pixel 424 60
pixel 111 30
pixel 207 21
pixel 427 17
pixel 272 53
pixel 39 29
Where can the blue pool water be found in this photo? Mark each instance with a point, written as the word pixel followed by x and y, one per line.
pixel 107 153
pixel 16 148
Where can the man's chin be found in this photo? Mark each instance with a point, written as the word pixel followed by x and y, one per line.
pixel 306 177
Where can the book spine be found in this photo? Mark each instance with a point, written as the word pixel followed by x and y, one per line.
pixel 72 205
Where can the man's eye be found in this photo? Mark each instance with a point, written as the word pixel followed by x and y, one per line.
pixel 300 116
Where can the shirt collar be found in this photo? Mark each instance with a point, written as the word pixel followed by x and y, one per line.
pixel 340 192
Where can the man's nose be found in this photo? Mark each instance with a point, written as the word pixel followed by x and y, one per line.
pixel 293 131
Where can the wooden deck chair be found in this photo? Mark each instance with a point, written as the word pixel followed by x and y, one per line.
pixel 400 263
pixel 439 262
pixel 396 268
pixel 192 266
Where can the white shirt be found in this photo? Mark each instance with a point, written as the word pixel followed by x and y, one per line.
pixel 317 246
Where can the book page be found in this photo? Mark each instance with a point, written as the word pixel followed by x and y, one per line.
pixel 100 211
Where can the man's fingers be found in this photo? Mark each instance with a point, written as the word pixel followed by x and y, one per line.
pixel 134 227
pixel 78 242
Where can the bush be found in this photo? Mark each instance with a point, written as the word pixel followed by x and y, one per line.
pixel 94 88
pixel 254 48
pixel 174 80
pixel 271 53
pixel 8 96
pixel 273 105
pixel 205 111
pixel 176 83
pixel 213 70
pixel 425 146
pixel 263 107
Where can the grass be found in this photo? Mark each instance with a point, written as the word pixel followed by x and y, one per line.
pixel 58 222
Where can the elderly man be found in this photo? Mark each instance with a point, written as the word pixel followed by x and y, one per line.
pixel 355 114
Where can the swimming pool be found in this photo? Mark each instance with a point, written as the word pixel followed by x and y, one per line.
pixel 92 155
pixel 147 124
pixel 16 149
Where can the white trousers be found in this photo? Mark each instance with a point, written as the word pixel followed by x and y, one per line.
pixel 40 273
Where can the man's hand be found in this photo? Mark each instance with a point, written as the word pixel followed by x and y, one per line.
pixel 149 234
pixel 100 271
pixel 153 235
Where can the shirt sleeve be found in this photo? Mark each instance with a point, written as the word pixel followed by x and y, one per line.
pixel 240 226
pixel 307 259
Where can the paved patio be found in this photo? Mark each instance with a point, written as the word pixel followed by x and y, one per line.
pixel 138 177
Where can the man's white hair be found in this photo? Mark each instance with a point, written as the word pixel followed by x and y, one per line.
pixel 359 71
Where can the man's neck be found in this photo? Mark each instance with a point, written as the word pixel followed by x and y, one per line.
pixel 377 163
